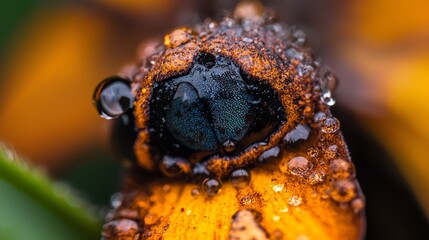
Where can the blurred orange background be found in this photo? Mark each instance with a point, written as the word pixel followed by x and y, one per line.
pixel 55 53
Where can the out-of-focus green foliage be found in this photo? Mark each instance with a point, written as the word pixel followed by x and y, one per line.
pixel 33 207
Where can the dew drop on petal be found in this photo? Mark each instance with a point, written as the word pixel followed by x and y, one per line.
pixel 195 192
pixel 297 166
pixel 295 200
pixel 113 97
pixel 343 191
pixel 175 166
pixel 312 152
pixel 240 178
pixel 341 168
pixel 121 227
pixel 330 125
pixel 316 177
pixel 212 186
pixel 278 187
pixel 300 132
pixel 116 200
pixel 358 204
pixel 331 151
pixel 269 154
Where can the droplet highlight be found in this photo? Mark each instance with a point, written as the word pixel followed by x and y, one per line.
pixel 295 200
pixel 113 97
pixel 341 169
pixel 330 125
pixel 240 178
pixel 297 166
pixel 212 186
pixel 343 191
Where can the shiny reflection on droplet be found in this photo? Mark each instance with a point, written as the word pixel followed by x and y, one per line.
pixel 341 169
pixel 297 166
pixel 174 166
pixel 229 146
pixel 330 125
pixel 278 187
pixel 316 177
pixel 358 205
pixel 116 200
pixel 331 151
pixel 121 227
pixel 212 186
pixel 195 192
pixel 343 191
pixel 312 152
pixel 328 99
pixel 300 132
pixel 240 178
pixel 271 153
pixel 113 97
pixel 295 200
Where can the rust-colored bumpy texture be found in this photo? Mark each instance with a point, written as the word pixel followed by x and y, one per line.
pixel 300 181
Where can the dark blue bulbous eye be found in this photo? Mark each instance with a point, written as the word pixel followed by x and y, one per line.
pixel 212 109
pixel 113 97
pixel 187 119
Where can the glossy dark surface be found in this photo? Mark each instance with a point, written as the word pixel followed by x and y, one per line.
pixel 213 108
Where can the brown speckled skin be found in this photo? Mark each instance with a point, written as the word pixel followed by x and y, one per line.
pixel 166 208
pixel 261 52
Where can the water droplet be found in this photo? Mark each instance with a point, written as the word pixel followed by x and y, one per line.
pixel 341 169
pixel 229 146
pixel 284 210
pixel 295 200
pixel 121 227
pixel 247 40
pixel 297 166
pixel 358 204
pixel 343 191
pixel 212 186
pixel 299 37
pixel 166 188
pixel 330 125
pixel 151 219
pixel 312 152
pixel 293 53
pixel 278 187
pixel 240 178
pixel 319 116
pixel 316 177
pixel 206 59
pixel 269 154
pixel 174 166
pixel 276 218
pixel 113 97
pixel 328 99
pixel 178 37
pixel 328 81
pixel 200 171
pixel 331 151
pixel 246 200
pixel 300 132
pixel 195 192
pixel 116 200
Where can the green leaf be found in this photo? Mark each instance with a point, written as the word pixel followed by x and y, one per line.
pixel 33 207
